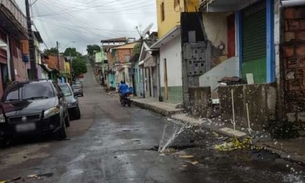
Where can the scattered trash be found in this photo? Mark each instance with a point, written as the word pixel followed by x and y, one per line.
pixel 186 156
pixel 195 162
pixel 169 150
pixel 215 134
pixel 234 144
pixel 32 176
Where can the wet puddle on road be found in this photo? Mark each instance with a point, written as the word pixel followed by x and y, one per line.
pixel 183 142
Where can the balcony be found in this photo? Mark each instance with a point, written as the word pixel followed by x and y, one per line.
pixel 224 5
pixel 12 19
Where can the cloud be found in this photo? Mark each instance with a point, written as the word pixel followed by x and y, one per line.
pixel 89 21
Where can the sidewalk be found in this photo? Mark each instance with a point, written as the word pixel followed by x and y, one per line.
pixel 163 108
pixel 292 149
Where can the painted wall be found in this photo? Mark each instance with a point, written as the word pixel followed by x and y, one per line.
pixel 100 56
pixel 25 49
pixel 111 80
pixel 215 25
pixel 172 53
pixel 39 71
pixel 20 69
pixel 67 67
pixel 172 14
pixel 228 68
pixel 138 79
pixel 216 28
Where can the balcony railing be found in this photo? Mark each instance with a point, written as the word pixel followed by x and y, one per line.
pixel 15 11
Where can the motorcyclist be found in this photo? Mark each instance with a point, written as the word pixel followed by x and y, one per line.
pixel 123 90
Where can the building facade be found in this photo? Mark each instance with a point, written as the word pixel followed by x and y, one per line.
pixel 12 31
pixel 169 46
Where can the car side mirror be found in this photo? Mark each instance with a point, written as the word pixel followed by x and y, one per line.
pixel 60 95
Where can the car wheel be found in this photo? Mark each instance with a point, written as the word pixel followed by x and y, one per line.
pixel 3 143
pixel 61 133
pixel 77 114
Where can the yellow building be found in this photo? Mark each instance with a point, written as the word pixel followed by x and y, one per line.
pixel 67 67
pixel 168 13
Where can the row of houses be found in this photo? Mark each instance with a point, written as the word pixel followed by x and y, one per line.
pixel 200 42
pixel 14 50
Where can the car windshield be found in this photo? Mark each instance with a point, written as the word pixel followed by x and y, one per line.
pixel 29 91
pixel 76 87
pixel 66 90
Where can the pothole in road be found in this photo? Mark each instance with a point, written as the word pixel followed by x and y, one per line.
pixel 174 147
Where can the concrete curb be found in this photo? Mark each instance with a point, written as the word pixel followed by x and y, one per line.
pixel 194 121
pixel 284 155
pixel 154 108
pixel 190 120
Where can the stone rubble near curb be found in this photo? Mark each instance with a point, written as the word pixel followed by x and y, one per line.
pixel 225 131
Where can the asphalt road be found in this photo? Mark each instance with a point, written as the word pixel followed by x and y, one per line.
pixel 115 144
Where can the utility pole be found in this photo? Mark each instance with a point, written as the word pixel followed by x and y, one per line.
pixel 58 65
pixel 31 42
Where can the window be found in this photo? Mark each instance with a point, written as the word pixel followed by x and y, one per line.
pixel 127 58
pixel 57 88
pixel 162 12
pixel 66 90
pixel 29 91
pixel 176 3
pixel 13 95
pixel 34 90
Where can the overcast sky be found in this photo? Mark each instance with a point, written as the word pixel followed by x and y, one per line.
pixel 89 21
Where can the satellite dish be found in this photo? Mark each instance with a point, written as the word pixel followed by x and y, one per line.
pixel 146 31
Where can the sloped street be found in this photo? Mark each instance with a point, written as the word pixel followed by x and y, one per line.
pixel 115 144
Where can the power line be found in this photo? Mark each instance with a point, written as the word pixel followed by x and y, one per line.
pixel 74 11
pixel 43 27
pixel 82 27
pixel 42 41
pixel 33 3
pixel 69 17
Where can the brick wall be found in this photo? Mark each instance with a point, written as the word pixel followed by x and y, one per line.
pixel 293 63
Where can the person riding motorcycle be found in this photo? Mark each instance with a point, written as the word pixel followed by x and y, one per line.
pixel 123 90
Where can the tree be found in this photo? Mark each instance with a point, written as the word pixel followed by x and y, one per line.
pixel 91 49
pixel 137 48
pixel 79 66
pixel 72 52
pixel 51 51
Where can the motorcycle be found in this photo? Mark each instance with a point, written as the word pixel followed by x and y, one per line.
pixel 125 99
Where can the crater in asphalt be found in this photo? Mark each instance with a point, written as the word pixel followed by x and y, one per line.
pixel 175 147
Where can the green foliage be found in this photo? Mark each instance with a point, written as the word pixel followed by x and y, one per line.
pixel 282 130
pixel 91 49
pixel 137 49
pixel 72 52
pixel 79 66
pixel 51 51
